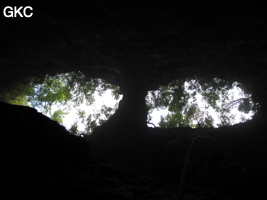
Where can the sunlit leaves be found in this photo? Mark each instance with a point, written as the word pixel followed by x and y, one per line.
pixel 56 95
pixel 246 105
pixel 63 88
pixel 74 128
pixel 52 90
pixel 72 86
pixel 17 93
pixel 195 102
pixel 92 120
pixel 58 116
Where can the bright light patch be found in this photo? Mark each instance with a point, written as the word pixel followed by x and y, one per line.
pixel 81 104
pixel 105 99
pixel 225 109
pixel 78 103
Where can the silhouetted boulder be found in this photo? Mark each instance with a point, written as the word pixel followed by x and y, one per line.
pixel 30 139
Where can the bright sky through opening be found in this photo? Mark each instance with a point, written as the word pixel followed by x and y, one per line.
pixel 234 93
pixel 108 100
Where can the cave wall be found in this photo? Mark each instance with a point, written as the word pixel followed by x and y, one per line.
pixel 155 44
pixel 142 45
pixel 139 47
pixel 145 45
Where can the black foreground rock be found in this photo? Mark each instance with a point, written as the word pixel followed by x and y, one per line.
pixel 37 154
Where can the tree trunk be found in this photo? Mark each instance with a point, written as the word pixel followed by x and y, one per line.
pixel 130 117
pixel 132 111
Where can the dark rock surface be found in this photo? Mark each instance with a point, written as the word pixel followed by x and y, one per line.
pixel 135 43
pixel 40 158
pixel 28 136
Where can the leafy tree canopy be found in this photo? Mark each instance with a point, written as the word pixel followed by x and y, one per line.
pixel 200 102
pixel 54 96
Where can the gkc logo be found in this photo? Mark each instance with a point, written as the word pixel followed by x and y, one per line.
pixel 20 11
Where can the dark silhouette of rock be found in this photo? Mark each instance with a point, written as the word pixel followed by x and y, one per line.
pixel 30 139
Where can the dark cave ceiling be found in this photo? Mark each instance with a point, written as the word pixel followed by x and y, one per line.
pixel 136 41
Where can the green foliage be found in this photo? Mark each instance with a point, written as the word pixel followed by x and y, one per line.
pixel 58 115
pixel 63 91
pixel 91 121
pixel 180 97
pixel 74 129
pixel 17 93
pixel 62 88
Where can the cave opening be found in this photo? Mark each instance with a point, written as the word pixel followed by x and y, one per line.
pixel 73 100
pixel 200 102
pixel 81 104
